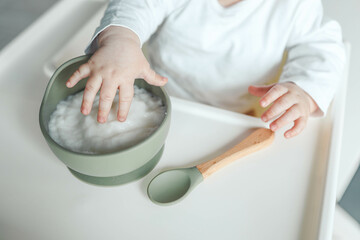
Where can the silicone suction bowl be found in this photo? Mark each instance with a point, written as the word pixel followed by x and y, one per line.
pixel 108 169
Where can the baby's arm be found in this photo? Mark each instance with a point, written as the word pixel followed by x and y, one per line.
pixel 117 58
pixel 313 69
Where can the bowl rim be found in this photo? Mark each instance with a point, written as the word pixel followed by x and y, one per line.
pixel 127 149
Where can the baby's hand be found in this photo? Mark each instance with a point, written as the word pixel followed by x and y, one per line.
pixel 115 65
pixel 289 101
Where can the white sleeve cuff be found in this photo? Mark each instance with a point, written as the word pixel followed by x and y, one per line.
pixel 322 100
pixel 93 44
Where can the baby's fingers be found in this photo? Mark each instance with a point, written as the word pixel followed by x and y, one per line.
pixel 82 72
pixel 107 94
pixel 92 87
pixel 280 105
pixel 259 91
pixel 151 77
pixel 126 93
pixel 298 127
pixel 274 93
pixel 289 116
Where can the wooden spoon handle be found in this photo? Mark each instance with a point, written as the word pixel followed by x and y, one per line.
pixel 259 139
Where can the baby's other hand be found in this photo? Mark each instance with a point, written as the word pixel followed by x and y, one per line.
pixel 115 65
pixel 289 101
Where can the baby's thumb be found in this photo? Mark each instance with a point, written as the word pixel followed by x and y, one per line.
pixel 151 77
pixel 259 91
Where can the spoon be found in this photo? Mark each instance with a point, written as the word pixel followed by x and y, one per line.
pixel 174 185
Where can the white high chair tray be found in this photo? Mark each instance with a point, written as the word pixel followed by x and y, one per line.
pixel 286 191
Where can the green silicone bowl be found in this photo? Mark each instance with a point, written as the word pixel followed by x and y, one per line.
pixel 114 168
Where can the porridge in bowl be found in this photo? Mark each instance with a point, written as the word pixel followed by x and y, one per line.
pixel 79 133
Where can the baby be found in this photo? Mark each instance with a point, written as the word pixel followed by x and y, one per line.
pixel 214 52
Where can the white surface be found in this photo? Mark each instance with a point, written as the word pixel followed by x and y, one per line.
pixel 345 227
pixel 347 13
pixel 76 44
pixel 274 194
pixel 268 190
pixel 336 114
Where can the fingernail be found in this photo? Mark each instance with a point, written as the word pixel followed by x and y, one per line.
pixel 68 84
pixel 101 120
pixel 264 118
pixel 84 111
pixel 287 135
pixel 164 80
pixel 273 127
pixel 263 103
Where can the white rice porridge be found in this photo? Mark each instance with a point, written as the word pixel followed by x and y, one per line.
pixel 79 133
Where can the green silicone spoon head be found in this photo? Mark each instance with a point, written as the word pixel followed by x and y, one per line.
pixel 174 185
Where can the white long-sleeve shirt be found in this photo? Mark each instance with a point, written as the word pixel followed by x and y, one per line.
pixel 211 54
